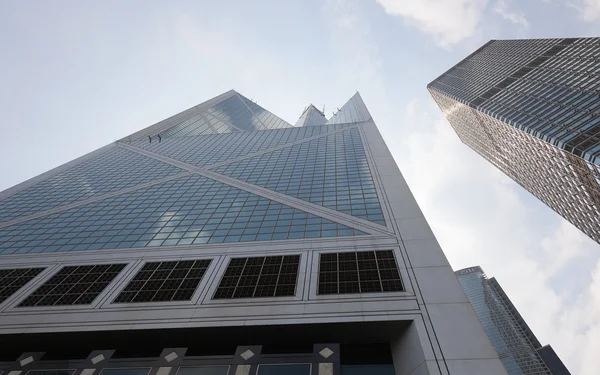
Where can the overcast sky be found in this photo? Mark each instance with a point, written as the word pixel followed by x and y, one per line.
pixel 76 75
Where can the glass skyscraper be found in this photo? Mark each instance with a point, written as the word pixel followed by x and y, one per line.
pixel 516 345
pixel 532 109
pixel 224 240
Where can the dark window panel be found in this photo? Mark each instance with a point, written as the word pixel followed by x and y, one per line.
pixel 272 276
pixel 11 280
pixel 66 287
pixel 164 281
pixel 359 272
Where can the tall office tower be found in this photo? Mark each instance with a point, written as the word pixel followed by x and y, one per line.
pixel 516 345
pixel 223 240
pixel 532 109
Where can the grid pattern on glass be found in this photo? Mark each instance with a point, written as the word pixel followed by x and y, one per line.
pixel 210 149
pixel 311 117
pixel 164 281
pixel 189 210
pixel 230 115
pixel 113 170
pixel 272 276
pixel 197 124
pixel 503 328
pixel 563 181
pixel 353 111
pixel 74 285
pixel 557 100
pixel 266 120
pixel 359 272
pixel 491 64
pixel 543 87
pixel 11 280
pixel 330 171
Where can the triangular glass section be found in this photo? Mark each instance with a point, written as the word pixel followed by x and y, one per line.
pixel 353 111
pixel 311 117
pixel 331 171
pixel 185 211
pixel 263 119
pixel 226 113
pixel 112 170
pixel 210 149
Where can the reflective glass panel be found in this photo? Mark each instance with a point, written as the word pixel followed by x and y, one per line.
pixel 203 370
pixel 297 369
pixel 125 371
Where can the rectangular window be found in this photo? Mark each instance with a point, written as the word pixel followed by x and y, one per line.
pixel 51 372
pixel 74 285
pixel 11 280
pixel 165 281
pixel 273 276
pixel 284 369
pixel 203 370
pixel 359 272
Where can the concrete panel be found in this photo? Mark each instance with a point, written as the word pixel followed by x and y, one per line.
pixel 425 253
pixel 476 367
pixel 459 332
pixel 414 229
pixel 407 350
pixel 439 285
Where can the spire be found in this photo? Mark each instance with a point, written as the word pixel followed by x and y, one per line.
pixel 354 110
pixel 311 117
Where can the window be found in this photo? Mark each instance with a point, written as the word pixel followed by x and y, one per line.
pixel 284 369
pixel 12 280
pixel 74 285
pixel 273 276
pixel 203 370
pixel 164 281
pixel 359 272
pixel 51 372
pixel 125 371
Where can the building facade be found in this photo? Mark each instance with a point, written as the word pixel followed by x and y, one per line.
pixel 532 109
pixel 223 240
pixel 517 347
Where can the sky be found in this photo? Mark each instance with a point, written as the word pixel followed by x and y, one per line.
pixel 77 75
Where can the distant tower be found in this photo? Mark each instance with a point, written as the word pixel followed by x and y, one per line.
pixel 532 109
pixel 516 345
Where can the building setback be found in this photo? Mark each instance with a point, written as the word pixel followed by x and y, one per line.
pixel 223 240
pixel 532 108
pixel 517 347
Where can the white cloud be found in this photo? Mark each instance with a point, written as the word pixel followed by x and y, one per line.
pixel 480 217
pixel 590 10
pixel 515 17
pixel 448 21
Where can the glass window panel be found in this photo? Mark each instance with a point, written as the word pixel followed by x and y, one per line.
pixel 284 369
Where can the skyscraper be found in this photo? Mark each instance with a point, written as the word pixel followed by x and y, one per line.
pixel 223 240
pixel 532 109
pixel 516 345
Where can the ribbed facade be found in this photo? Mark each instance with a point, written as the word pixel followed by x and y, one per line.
pixel 516 345
pixel 531 108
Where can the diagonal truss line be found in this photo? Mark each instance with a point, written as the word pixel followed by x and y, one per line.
pixel 248 107
pixel 266 151
pixel 91 200
pixel 327 213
